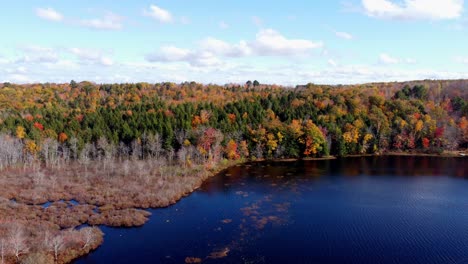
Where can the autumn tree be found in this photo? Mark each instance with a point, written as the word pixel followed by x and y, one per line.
pixel 231 150
pixel 314 140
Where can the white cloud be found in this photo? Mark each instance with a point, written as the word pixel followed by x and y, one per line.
pixel 385 58
pixel 174 54
pixel 350 7
pixel 267 43
pixel 110 21
pixel 158 14
pixel 17 70
pixel 332 63
pixel 18 78
pixel 271 43
pixel 355 74
pixel 463 60
pixel 49 14
pixel 106 61
pixel 220 72
pixel 57 58
pixel 414 9
pixel 63 65
pixel 169 54
pixel 344 35
pixel 223 25
pixel 37 54
pixel 91 56
pixel 220 47
pixel 204 59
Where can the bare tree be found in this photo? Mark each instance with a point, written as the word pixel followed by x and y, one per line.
pixel 18 241
pixel 154 145
pixel 45 150
pixel 182 155
pixel 279 151
pixel 85 157
pixel 74 148
pixel 123 151
pixel 259 151
pixel 170 155
pixel 136 152
pixel 105 151
pixel 55 244
pixel 66 155
pixel 451 137
pixel 89 237
pixel 54 153
pixel 11 151
pixel 2 250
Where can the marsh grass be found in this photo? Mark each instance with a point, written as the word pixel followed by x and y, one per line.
pixel 106 194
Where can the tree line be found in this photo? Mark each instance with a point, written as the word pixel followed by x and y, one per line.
pixel 197 123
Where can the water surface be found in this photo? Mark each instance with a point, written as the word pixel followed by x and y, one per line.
pixel 353 210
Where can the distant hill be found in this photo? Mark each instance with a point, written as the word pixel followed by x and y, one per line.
pixel 449 88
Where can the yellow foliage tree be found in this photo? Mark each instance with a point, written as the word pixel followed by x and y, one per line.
pixel 314 139
pixel 231 150
pixel 31 147
pixel 295 128
pixel 272 143
pixel 20 132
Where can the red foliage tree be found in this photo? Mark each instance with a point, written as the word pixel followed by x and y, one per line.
pixel 39 126
pixel 426 142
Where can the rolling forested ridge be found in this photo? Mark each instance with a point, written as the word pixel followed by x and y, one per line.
pixel 85 120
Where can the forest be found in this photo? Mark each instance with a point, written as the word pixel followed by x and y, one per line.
pixel 196 123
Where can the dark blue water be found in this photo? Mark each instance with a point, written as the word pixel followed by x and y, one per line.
pixel 354 210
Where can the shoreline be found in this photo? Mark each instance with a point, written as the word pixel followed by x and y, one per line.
pixel 122 211
pixel 454 154
pixel 98 200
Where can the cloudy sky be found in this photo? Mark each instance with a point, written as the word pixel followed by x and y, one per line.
pixel 211 41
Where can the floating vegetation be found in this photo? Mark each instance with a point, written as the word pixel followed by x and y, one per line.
pixel 219 254
pixel 192 260
pixel 226 221
pixel 243 194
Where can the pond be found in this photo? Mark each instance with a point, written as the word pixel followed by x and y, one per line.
pixel 393 209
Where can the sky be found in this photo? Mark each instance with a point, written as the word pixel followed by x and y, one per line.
pixel 232 41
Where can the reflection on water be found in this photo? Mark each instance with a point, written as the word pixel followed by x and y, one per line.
pixel 354 210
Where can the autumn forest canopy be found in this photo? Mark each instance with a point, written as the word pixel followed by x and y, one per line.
pixel 251 121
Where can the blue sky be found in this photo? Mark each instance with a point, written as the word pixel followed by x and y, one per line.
pixel 283 42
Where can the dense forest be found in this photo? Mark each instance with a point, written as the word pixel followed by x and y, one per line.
pixel 201 122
